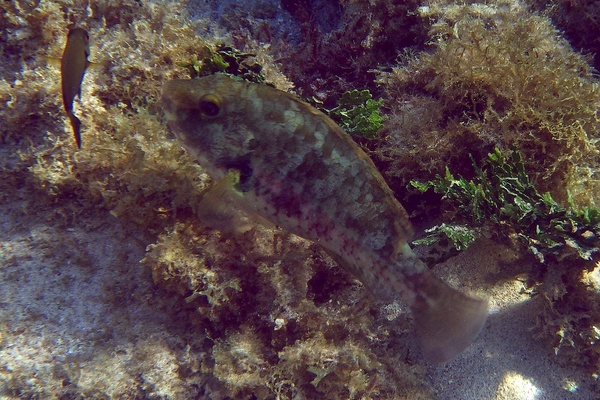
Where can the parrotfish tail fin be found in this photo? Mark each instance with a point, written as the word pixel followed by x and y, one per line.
pixel 76 124
pixel 447 321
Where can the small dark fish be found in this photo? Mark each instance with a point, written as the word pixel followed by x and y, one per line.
pixel 293 166
pixel 72 68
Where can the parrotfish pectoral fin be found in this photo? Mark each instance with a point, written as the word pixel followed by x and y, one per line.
pixel 222 207
pixel 216 208
pixel 447 321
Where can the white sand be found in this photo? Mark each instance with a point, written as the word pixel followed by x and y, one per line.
pixel 79 315
pixel 506 362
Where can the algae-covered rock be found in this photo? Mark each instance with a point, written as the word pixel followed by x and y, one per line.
pixel 282 318
pixel 495 75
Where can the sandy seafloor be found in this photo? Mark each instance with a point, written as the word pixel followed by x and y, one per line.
pixel 506 361
pixel 61 333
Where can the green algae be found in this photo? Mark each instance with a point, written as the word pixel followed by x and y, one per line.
pixel 225 59
pixel 495 75
pixel 358 113
pixel 564 241
pixel 502 193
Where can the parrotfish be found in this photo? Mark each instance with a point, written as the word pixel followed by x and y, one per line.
pixel 292 165
pixel 73 64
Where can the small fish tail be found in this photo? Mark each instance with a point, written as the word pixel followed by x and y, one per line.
pixel 76 124
pixel 447 321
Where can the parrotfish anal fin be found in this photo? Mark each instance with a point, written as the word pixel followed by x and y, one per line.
pixel 222 207
pixel 447 321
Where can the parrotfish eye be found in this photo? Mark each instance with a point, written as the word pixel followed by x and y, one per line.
pixel 209 105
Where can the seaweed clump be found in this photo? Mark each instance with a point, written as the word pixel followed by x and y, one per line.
pixel 358 114
pixel 495 76
pixel 225 59
pixel 339 42
pixel 127 165
pixel 564 242
pixel 271 329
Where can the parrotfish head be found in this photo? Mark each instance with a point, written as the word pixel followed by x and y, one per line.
pixel 209 116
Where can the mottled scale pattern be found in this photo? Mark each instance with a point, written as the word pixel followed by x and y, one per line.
pixel 304 174
pixel 296 168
